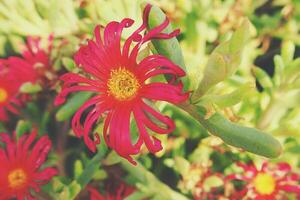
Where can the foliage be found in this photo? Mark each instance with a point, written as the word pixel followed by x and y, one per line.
pixel 243 75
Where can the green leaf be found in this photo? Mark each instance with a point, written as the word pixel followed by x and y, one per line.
pixel 74 189
pixel 68 63
pixel 292 70
pixel 78 168
pixel 227 100
pixel 22 127
pixel 167 47
pixel 86 176
pixel 67 110
pixel 182 165
pixel 287 51
pixel 57 185
pixel 138 196
pixel 263 78
pixel 30 88
pixel 212 181
pixel 100 175
pixel 279 68
pixel 249 139
pixel 224 60
pixel 2 128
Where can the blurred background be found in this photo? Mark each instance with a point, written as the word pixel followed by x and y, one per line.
pixel 263 93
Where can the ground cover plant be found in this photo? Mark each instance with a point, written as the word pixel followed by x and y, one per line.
pixel 158 99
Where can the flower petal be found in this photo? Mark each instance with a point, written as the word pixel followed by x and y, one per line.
pixel 164 92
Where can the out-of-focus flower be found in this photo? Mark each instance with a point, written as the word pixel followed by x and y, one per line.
pixel 35 65
pixel 20 171
pixel 119 193
pixel 272 181
pixel 202 182
pixel 9 87
pixel 120 83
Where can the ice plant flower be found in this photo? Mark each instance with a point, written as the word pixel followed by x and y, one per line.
pixel 9 87
pixel 21 162
pixel 119 193
pixel 122 87
pixel 34 65
pixel 198 178
pixel 272 181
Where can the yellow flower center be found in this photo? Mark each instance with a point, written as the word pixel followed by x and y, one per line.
pixel 3 95
pixel 123 84
pixel 264 183
pixel 17 178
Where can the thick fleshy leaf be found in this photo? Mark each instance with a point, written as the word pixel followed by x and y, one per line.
pixel 230 99
pixel 30 88
pixel 166 47
pixel 22 127
pixel 68 63
pixel 279 68
pixel 224 60
pixel 263 78
pixel 78 168
pixel 249 139
pixel 287 51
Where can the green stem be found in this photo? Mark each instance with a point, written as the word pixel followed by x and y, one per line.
pixel 90 169
pixel 89 172
pixel 153 185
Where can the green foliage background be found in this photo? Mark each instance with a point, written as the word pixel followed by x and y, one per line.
pixel 251 79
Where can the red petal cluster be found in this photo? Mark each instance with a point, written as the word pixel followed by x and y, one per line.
pixel 285 181
pixel 34 64
pixel 21 163
pixel 119 193
pixel 9 87
pixel 99 59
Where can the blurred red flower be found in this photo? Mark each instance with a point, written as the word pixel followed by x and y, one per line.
pixel 272 181
pixel 21 163
pixel 121 192
pixel 122 93
pixel 35 65
pixel 9 87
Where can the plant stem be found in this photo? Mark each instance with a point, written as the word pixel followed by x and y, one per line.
pixel 153 185
pixel 89 171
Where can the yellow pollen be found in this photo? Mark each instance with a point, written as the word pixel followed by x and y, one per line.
pixel 123 84
pixel 3 95
pixel 264 183
pixel 17 178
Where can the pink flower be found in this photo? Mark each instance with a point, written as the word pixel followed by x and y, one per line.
pixel 272 181
pixel 122 87
pixel 21 163
pixel 34 66
pixel 9 87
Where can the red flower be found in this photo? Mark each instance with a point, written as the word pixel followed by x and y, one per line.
pixel 9 87
pixel 20 166
pixel 34 66
pixel 270 182
pixel 122 88
pixel 119 193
